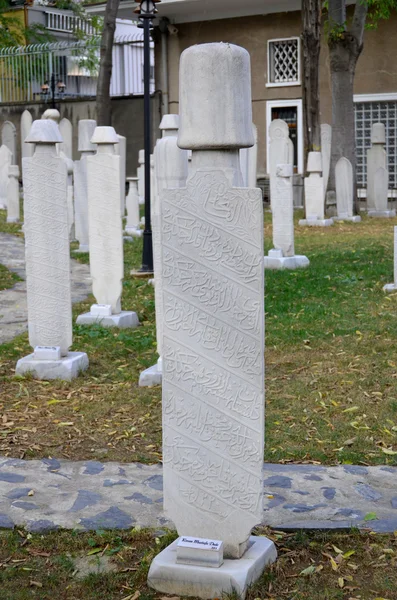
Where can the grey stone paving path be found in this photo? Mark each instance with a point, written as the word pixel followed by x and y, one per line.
pixel 48 494
pixel 13 307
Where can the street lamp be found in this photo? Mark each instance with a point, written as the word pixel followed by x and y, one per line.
pixel 146 11
pixel 59 86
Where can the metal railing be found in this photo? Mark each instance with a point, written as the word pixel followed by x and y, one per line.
pixel 25 70
pixel 67 22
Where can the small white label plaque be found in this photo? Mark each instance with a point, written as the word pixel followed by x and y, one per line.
pixel 101 310
pixel 199 551
pixel 47 353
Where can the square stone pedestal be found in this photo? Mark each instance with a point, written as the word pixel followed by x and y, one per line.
pixel 390 288
pixel 134 231
pixel 12 220
pixel 276 260
pixel 355 219
pixel 169 577
pixel 67 368
pixel 316 222
pixel 123 320
pixel 382 214
pixel 151 376
pixel 82 248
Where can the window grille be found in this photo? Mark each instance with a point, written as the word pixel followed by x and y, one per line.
pixel 284 61
pixel 367 113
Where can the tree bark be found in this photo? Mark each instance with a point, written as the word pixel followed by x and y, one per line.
pixel 311 45
pixel 103 105
pixel 345 47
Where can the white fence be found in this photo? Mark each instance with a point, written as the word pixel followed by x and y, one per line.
pixel 26 71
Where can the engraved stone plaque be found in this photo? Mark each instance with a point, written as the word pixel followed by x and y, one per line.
pixel 213 370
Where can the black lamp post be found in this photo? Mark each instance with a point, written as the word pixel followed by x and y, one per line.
pixel 59 85
pixel 146 11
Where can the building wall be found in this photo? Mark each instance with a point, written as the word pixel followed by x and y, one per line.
pixel 127 119
pixel 376 69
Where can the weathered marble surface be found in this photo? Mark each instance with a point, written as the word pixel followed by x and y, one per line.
pixel 47 241
pixel 9 139
pixel 97 495
pixel 86 131
pixel 376 159
pixel 132 226
pixel 121 150
pixel 314 193
pixel 392 287
pixel 326 140
pixel 249 160
pixel 66 130
pixel 344 191
pixel 13 194
pixel 5 162
pixel 26 123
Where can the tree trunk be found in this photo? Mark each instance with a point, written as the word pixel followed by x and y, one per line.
pixel 311 44
pixel 103 105
pixel 345 48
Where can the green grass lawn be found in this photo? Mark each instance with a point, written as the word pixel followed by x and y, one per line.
pixel 315 566
pixel 7 278
pixel 331 342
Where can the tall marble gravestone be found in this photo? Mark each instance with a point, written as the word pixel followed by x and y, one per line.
pixel 377 180
pixel 87 148
pixel 326 140
pixel 27 150
pixel 344 191
pixel 392 287
pixel 170 173
pixel 132 226
pixel 248 161
pixel 213 339
pixel 106 234
pixel 121 150
pixel 9 139
pixel 66 129
pixel 13 209
pixel 47 260
pixel 280 153
pixel 5 162
pixel 141 176
pixel 314 194
pixel 282 255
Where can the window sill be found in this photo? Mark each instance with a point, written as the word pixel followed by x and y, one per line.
pixel 286 84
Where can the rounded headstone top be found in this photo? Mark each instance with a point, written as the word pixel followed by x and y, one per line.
pixel 141 157
pixel 215 110
pixel 51 113
pixel 86 131
pixel 378 133
pixel 278 129
pixel 44 131
pixel 105 135
pixel 169 122
pixel 314 162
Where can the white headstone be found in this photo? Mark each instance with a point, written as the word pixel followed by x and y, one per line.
pixel 47 257
pixel 392 287
pixel 13 194
pixel 66 129
pixel 86 131
pixel 132 204
pixel 314 193
pixel 213 340
pixel 326 140
pixel 5 162
pixel 141 176
pixel 106 233
pixel 376 158
pixel 248 161
pixel 344 188
pixel 9 139
pixel 27 150
pixel 381 186
pixel 281 152
pixel 121 150
pixel 171 169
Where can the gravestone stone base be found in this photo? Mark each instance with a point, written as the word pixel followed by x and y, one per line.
pixel 354 219
pixel 123 320
pixel 169 577
pixel 316 222
pixel 82 248
pixel 12 220
pixel 382 214
pixel 134 231
pixel 390 288
pixel 276 260
pixel 67 368
pixel 151 376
